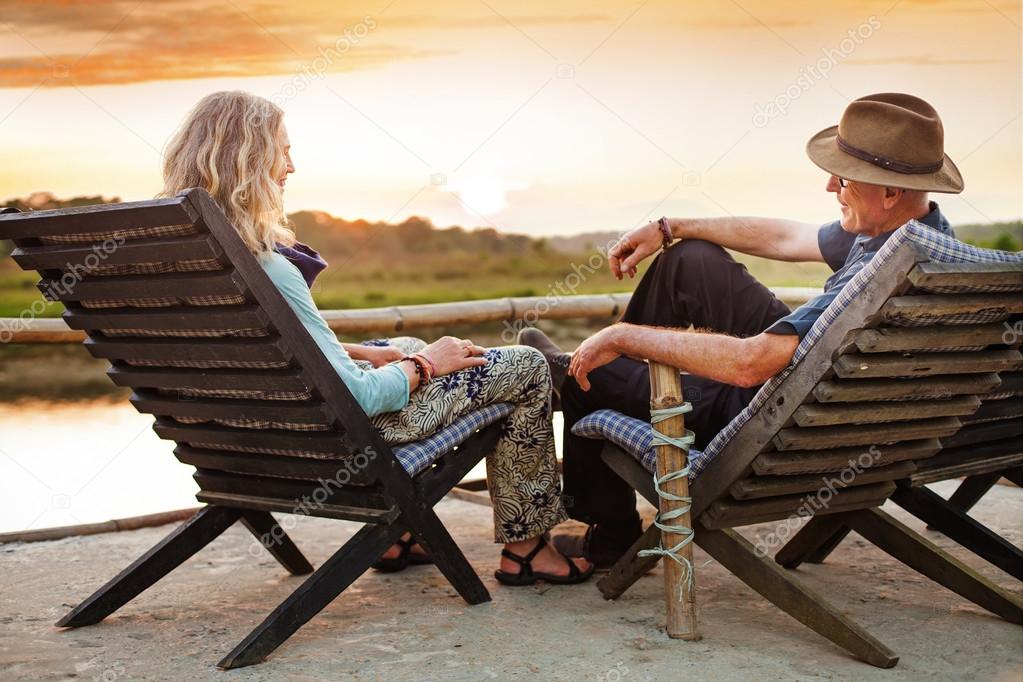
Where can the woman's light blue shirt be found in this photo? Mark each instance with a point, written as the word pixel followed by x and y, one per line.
pixel 379 390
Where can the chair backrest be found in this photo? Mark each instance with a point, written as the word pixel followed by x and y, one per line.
pixel 168 293
pixel 910 351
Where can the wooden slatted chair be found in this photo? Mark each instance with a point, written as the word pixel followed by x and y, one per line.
pixel 909 349
pixel 989 446
pixel 167 292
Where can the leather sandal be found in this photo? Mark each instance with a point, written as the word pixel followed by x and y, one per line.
pixel 527 576
pixel 405 558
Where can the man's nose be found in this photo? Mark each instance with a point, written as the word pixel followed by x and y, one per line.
pixel 833 185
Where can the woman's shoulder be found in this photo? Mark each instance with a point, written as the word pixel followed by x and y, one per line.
pixel 280 270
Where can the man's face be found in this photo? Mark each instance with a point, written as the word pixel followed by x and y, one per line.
pixel 863 206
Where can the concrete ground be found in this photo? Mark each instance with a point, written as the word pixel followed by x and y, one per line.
pixel 412 625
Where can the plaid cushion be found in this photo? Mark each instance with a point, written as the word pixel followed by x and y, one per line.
pixel 416 457
pixel 130 233
pixel 632 435
pixel 932 245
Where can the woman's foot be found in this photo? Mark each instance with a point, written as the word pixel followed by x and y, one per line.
pixel 401 554
pixel 523 563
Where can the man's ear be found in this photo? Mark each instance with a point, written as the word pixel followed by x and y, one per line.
pixel 892 196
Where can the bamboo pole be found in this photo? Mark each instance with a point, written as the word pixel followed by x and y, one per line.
pixel 395 319
pixel 666 392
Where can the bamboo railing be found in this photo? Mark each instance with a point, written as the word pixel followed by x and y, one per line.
pixel 400 319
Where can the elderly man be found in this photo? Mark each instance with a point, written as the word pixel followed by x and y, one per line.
pixel 883 158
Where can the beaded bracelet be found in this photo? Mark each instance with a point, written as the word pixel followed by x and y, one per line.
pixel 424 368
pixel 666 235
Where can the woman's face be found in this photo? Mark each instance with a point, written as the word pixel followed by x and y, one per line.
pixel 289 167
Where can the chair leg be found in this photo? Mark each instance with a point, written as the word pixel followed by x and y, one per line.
pixel 957 525
pixel 782 589
pixel 924 556
pixel 328 581
pixel 816 538
pixel 630 568
pixel 435 539
pixel 972 489
pixel 270 534
pixel 165 556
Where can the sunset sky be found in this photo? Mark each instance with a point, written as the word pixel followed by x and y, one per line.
pixel 534 117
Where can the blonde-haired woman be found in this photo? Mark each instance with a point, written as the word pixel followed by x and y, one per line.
pixel 235 146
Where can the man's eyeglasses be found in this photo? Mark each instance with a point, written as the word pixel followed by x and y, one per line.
pixel 842 182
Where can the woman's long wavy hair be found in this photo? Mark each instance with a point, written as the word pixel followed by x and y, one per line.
pixel 230 145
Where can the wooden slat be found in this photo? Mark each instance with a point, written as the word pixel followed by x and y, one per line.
pixel 991 449
pixel 262 349
pixel 867 366
pixel 835 459
pixel 304 412
pixel 816 414
pixel 838 391
pixel 215 317
pixel 176 284
pixel 293 490
pixel 329 511
pixel 1012 382
pixel 990 410
pixel 805 438
pixel 969 467
pixel 940 305
pixel 272 465
pixel 725 513
pixel 983 432
pixel 98 218
pixel 285 380
pixel 67 257
pixel 323 442
pixel 890 339
pixel 931 274
pixel 773 486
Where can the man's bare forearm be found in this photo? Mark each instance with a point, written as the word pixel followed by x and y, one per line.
pixel 740 362
pixel 775 238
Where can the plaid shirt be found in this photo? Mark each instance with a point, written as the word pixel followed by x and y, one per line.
pixel 847 254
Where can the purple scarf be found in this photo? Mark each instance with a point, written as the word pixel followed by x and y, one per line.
pixel 305 258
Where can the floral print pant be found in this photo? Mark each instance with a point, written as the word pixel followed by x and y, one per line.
pixel 522 472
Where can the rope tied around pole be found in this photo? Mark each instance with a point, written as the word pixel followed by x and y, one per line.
pixel 661 521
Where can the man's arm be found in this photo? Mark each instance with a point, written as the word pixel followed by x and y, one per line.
pixel 775 238
pixel 741 362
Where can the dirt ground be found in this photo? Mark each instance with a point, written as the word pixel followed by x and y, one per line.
pixel 412 625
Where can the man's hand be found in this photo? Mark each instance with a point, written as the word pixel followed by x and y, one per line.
pixel 594 352
pixel 633 247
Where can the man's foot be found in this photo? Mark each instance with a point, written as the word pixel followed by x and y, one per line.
pixel 401 555
pixel 601 544
pixel 557 359
pixel 524 563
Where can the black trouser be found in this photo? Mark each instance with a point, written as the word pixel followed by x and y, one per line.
pixel 694 283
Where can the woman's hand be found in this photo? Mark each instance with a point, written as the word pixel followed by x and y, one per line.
pixel 449 354
pixel 381 355
pixel 633 247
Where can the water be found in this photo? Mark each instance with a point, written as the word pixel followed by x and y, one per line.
pixel 72 463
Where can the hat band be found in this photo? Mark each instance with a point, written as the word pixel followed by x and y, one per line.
pixel 887 164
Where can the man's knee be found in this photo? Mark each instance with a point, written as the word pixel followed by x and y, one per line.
pixel 696 251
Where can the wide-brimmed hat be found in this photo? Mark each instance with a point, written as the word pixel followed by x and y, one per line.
pixel 888 139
